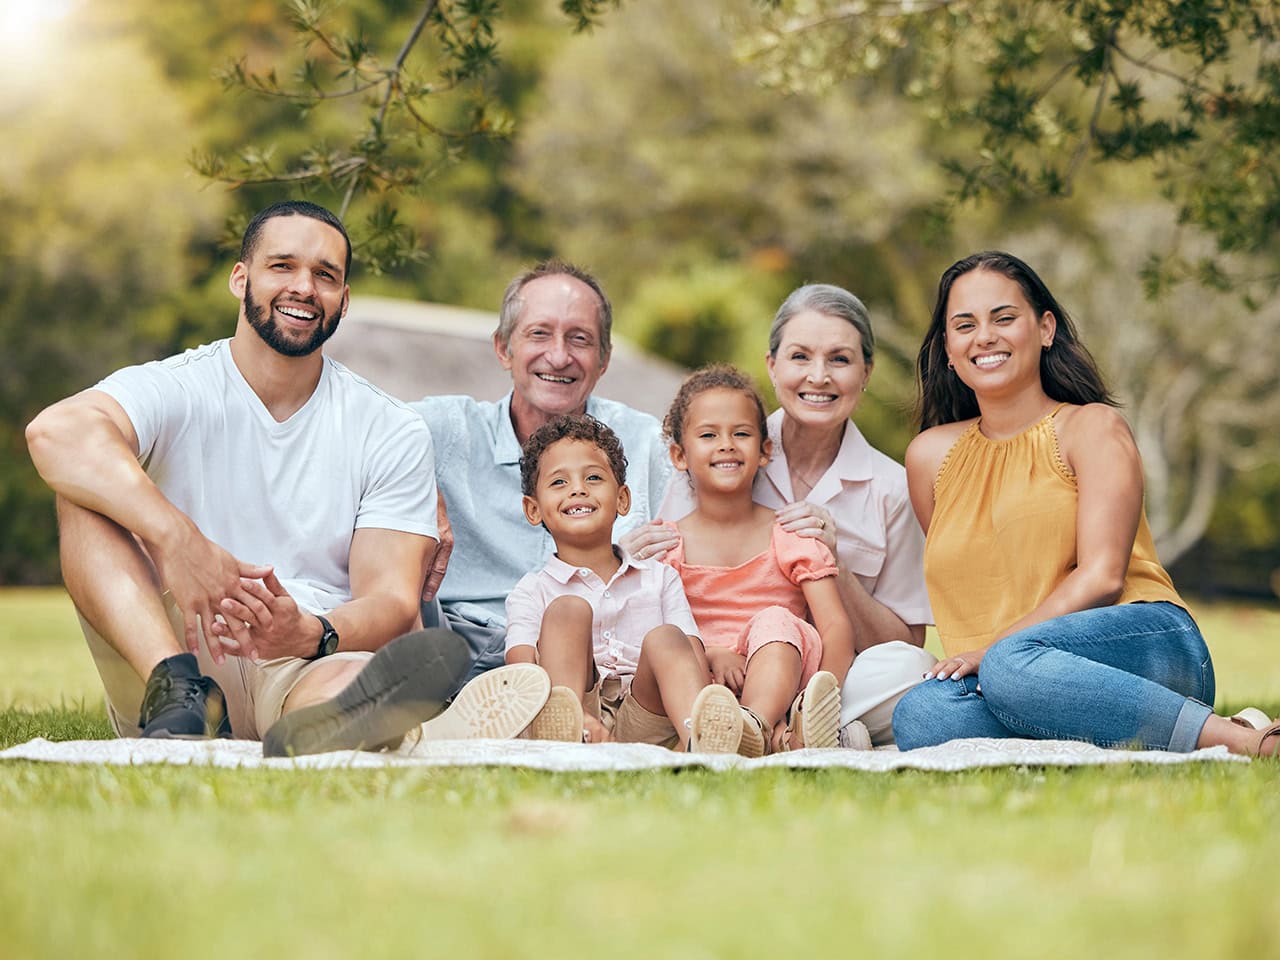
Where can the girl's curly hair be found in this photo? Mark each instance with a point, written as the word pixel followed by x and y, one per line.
pixel 717 376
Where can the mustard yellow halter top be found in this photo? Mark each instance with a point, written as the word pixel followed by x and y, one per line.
pixel 1003 536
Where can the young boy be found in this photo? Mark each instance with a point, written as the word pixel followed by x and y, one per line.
pixel 614 633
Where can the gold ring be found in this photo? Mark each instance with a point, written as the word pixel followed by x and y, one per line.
pixel 822 524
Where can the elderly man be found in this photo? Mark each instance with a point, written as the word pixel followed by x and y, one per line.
pixel 245 527
pixel 553 337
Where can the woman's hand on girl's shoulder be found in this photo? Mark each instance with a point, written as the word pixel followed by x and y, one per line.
pixel 649 541
pixel 807 519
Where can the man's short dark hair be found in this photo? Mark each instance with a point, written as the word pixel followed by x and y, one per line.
pixel 291 208
pixel 570 426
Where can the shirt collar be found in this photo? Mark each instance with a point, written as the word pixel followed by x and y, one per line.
pixel 507 448
pixel 853 462
pixel 563 572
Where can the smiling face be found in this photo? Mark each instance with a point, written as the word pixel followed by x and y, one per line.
pixel 293 292
pixel 993 336
pixel 818 371
pixel 554 352
pixel 721 446
pixel 576 495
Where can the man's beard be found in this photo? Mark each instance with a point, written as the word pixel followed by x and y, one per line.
pixel 260 318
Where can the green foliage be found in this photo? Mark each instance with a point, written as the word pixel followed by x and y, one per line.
pixel 707 314
pixel 400 120
pixel 99 239
pixel 1025 94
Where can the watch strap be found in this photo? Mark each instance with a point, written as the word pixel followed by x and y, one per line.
pixel 328 639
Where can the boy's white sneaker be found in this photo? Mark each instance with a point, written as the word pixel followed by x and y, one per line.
pixel 559 719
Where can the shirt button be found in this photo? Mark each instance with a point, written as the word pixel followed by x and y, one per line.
pixel 607 593
pixel 608 634
pixel 583 571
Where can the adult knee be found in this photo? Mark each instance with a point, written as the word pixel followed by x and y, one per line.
pixel 916 717
pixel 1002 667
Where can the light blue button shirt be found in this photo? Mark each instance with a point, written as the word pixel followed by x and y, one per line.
pixel 478 474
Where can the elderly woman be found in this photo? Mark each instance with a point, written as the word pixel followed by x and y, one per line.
pixel 826 481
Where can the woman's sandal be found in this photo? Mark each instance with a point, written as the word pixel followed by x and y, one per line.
pixel 754 742
pixel 715 724
pixel 1269 745
pixel 814 720
pixel 1251 717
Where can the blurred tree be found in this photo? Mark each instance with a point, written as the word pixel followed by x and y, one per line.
pixel 99 236
pixel 682 171
pixel 393 122
pixel 1026 93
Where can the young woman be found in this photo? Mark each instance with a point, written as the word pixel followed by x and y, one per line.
pixel 1056 618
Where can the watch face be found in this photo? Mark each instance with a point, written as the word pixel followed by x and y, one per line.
pixel 329 642
pixel 328 639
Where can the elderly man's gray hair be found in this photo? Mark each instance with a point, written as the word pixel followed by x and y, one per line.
pixel 513 303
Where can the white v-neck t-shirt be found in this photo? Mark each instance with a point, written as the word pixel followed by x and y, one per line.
pixel 288 494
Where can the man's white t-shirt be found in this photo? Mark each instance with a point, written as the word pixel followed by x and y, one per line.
pixel 288 494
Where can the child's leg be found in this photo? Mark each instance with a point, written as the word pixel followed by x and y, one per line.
pixel 773 677
pixel 564 644
pixel 669 676
pixel 565 652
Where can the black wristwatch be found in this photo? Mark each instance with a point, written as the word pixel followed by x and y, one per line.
pixel 328 639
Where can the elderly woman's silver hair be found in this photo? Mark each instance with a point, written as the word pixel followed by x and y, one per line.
pixel 831 301
pixel 513 303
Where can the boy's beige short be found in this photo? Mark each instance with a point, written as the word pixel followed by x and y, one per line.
pixel 255 692
pixel 630 722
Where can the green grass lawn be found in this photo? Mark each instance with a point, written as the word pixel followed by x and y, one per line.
pixel 165 862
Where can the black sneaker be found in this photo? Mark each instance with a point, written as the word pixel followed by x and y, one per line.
pixel 408 681
pixel 181 704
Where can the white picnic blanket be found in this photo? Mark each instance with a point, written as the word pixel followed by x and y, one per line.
pixel 571 757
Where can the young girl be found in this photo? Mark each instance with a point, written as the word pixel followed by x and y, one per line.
pixel 751 583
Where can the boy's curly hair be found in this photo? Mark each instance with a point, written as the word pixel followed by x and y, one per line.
pixel 717 376
pixel 570 427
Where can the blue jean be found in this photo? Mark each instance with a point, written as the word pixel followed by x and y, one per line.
pixel 1133 674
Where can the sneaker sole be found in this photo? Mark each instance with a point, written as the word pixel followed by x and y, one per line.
pixel 820 712
pixel 715 723
pixel 496 705
pixel 407 681
pixel 559 719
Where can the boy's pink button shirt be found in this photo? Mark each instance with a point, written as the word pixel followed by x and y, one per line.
pixel 643 594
